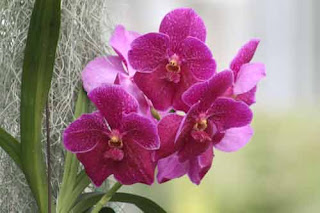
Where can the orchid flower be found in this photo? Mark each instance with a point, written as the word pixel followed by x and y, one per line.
pixel 246 74
pixel 186 147
pixel 115 139
pixel 170 61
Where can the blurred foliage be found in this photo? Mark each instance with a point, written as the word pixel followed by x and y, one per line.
pixel 278 172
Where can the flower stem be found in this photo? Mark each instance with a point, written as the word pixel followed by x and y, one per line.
pixel 105 198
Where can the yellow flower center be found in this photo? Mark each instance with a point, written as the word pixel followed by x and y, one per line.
pixel 201 125
pixel 173 66
pixel 115 142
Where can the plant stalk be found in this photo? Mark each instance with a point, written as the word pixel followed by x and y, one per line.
pixel 105 198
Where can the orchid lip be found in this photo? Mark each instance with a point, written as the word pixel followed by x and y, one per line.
pixel 201 125
pixel 115 139
pixel 173 66
pixel 173 69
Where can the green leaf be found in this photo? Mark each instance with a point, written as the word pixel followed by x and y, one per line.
pixel 88 200
pixel 11 146
pixel 72 184
pixel 145 204
pixel 107 210
pixel 37 72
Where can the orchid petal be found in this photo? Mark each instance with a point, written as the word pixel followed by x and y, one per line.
pixel 235 138
pixel 156 88
pixel 130 86
pixel 248 77
pixel 198 58
pixel 96 166
pixel 85 133
pixel 171 168
pixel 208 91
pixel 167 128
pixel 181 23
pixel 148 52
pixel 200 166
pixel 101 70
pixel 137 165
pixel 227 113
pixel 141 130
pixel 112 102
pixel 121 42
pixel 244 55
pixel 249 97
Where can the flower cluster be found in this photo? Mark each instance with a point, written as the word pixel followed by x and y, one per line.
pixel 171 71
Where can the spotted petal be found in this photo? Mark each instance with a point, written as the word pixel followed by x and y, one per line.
pixel 198 58
pixel 96 166
pixel 141 130
pixel 137 165
pixel 85 133
pixel 112 102
pixel 148 52
pixel 227 113
pixel 181 23
pixel 244 55
pixel 208 91
pixel 156 88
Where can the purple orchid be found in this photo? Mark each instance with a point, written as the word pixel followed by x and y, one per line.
pixel 115 69
pixel 212 121
pixel 170 61
pixel 115 139
pixel 246 74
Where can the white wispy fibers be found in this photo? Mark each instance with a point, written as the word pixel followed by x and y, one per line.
pixel 83 23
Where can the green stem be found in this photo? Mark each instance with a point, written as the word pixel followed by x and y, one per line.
pixel 105 198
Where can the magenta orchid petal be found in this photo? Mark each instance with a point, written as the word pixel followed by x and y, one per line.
pixel 156 88
pixel 208 91
pixel 141 130
pixel 149 51
pixel 244 55
pixel 121 42
pixel 249 97
pixel 200 166
pixel 198 58
pixel 83 134
pixel 167 129
pixel 186 126
pixel 235 138
pixel 248 77
pixel 195 93
pixel 181 23
pixel 227 113
pixel 97 167
pixel 136 166
pixel 171 168
pixel 186 81
pixel 112 102
pixel 130 86
pixel 101 70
